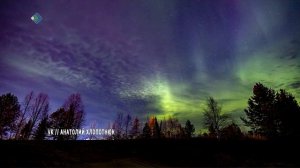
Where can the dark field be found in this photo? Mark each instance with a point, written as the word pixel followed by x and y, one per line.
pixel 150 153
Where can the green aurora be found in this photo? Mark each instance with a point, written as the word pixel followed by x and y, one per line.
pixel 162 58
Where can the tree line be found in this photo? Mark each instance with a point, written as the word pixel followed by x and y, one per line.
pixel 127 128
pixel 269 114
pixel 32 119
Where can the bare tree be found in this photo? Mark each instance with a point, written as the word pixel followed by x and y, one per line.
pixel 213 119
pixel 121 126
pixel 127 125
pixel 171 128
pixel 135 129
pixel 75 109
pixel 118 126
pixel 40 108
pixel 36 108
pixel 22 119
pixel 70 116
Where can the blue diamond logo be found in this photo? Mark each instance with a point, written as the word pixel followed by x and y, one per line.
pixel 36 18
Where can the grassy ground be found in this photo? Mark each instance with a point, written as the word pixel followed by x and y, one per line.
pixel 149 153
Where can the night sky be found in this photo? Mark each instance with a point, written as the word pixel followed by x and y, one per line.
pixel 149 57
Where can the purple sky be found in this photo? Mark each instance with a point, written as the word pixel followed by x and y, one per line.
pixel 149 57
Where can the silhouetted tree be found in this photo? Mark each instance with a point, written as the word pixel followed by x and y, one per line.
pixel 41 130
pixel 40 109
pixel 171 128
pixel 135 129
pixel 146 131
pixel 231 131
pixel 260 112
pixel 71 116
pixel 272 114
pixel 75 110
pixel 57 121
pixel 156 129
pixel 62 119
pixel 26 109
pixel 118 126
pixel 213 119
pixel 189 129
pixel 9 112
pixel 151 123
pixel 127 125
pixel 163 128
pixel 288 113
pixel 36 107
pixel 122 126
pixel 92 136
pixel 26 130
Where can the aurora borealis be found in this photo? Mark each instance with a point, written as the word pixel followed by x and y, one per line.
pixel 150 57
